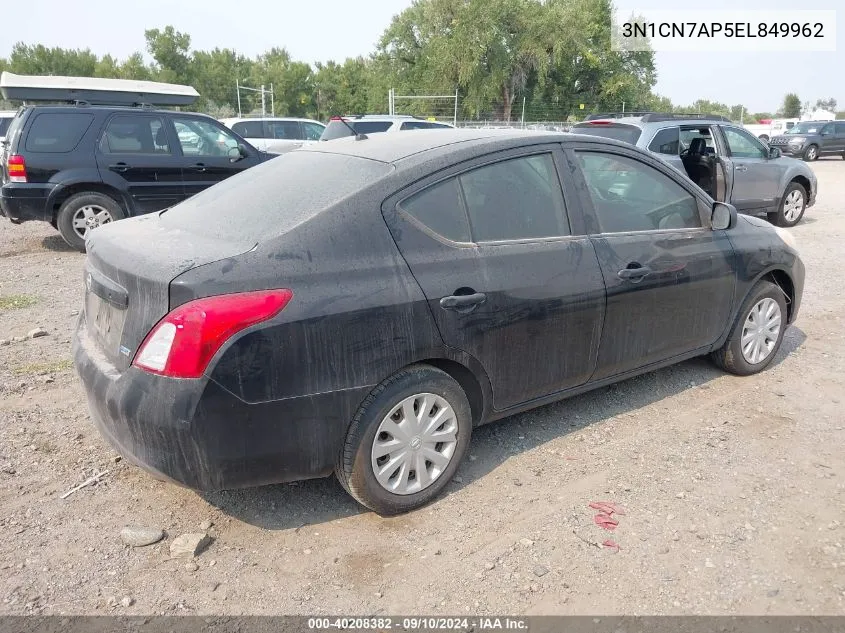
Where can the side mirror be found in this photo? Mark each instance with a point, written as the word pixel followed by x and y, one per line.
pixel 774 152
pixel 723 216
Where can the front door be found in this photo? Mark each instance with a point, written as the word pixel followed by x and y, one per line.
pixel 669 277
pixel 135 154
pixel 491 246
pixel 756 182
pixel 205 147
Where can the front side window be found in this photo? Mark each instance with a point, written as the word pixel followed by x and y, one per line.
pixel 57 132
pixel 628 195
pixel 134 134
pixel 666 141
pixel 203 138
pixel 741 144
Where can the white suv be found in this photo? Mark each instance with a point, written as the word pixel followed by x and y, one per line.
pixel 276 135
pixel 340 127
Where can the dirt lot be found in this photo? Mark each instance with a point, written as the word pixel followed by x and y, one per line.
pixel 734 488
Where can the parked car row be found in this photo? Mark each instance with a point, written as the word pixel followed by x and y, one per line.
pixel 105 157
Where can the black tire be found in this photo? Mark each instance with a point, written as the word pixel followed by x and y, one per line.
pixel 74 205
pixel 785 215
pixel 811 153
pixel 355 470
pixel 730 357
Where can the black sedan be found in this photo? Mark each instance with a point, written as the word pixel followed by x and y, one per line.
pixel 360 306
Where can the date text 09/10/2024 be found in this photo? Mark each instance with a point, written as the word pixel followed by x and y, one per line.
pixel 418 624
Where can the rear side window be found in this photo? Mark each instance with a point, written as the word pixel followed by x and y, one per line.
pixel 133 134
pixel 840 128
pixel 619 131
pixel 440 208
pixel 422 125
pixel 249 129
pixel 285 130
pixel 513 199
pixel 58 132
pixel 313 131
pixel 665 141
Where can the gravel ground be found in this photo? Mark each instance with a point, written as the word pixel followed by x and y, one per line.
pixel 733 488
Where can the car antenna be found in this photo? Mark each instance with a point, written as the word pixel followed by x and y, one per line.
pixel 358 136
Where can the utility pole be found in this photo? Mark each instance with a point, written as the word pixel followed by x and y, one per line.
pixel 272 102
pixel 238 87
pixel 523 111
pixel 263 102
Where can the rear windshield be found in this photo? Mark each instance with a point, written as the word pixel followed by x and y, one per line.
pixel 274 197
pixel 57 132
pixel 336 129
pixel 620 132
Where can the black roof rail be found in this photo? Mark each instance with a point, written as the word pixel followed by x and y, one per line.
pixel 679 116
pixel 615 115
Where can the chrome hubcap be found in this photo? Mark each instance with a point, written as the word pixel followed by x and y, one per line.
pixel 414 444
pixel 88 218
pixel 761 331
pixel 793 205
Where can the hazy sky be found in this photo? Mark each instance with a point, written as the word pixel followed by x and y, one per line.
pixel 334 29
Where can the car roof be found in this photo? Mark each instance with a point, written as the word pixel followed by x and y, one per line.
pixel 70 107
pixel 413 148
pixel 233 120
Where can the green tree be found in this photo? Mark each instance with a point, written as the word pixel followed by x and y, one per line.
pixel 791 108
pixel 170 49
pixel 827 104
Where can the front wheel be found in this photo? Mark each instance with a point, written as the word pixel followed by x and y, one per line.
pixel 758 333
pixel 811 153
pixel 792 206
pixel 406 441
pixel 84 212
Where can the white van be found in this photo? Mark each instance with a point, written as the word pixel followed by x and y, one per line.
pixel 276 134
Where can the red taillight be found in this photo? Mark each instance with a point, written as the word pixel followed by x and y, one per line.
pixel 17 168
pixel 183 343
pixel 337 118
pixel 600 122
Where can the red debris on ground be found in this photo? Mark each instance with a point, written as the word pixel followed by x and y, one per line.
pixel 606 521
pixel 607 507
pixel 610 544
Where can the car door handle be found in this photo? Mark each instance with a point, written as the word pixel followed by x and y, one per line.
pixel 120 167
pixel 634 274
pixel 199 167
pixel 741 168
pixel 460 303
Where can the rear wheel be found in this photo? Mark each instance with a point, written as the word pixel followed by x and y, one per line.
pixel 758 333
pixel 792 206
pixel 84 212
pixel 811 153
pixel 406 441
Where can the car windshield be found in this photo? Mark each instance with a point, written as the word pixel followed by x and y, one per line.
pixel 275 196
pixel 806 128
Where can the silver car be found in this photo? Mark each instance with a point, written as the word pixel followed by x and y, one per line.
pixel 728 162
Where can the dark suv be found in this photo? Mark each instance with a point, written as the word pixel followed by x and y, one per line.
pixel 811 139
pixel 79 166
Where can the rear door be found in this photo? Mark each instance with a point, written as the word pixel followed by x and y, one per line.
pixel 756 177
pixel 669 277
pixel 509 280
pixel 831 142
pixel 135 154
pixel 839 131
pixel 208 161
pixel 255 133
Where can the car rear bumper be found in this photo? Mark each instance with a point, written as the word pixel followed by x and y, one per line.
pixel 20 201
pixel 197 434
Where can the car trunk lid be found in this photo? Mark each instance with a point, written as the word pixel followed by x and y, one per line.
pixel 127 275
